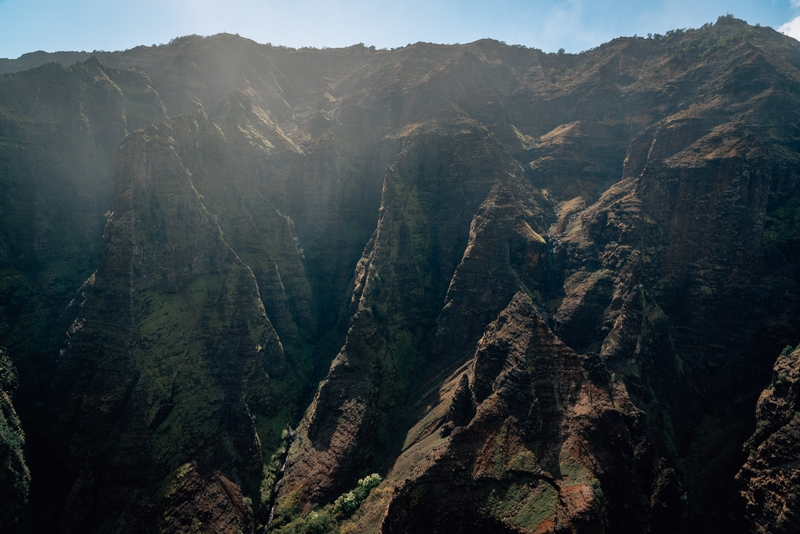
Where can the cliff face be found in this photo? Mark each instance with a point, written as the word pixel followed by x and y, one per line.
pixel 530 292
pixel 59 128
pixel 529 459
pixel 769 479
pixel 15 477
pixel 646 274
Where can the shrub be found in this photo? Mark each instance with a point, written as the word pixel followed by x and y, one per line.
pixel 350 501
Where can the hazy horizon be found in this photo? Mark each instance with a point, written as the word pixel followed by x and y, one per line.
pixel 575 25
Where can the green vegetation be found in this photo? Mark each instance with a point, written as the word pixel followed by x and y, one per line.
pixel 246 237
pixel 420 239
pixel 600 503
pixel 504 501
pixel 782 225
pixel 346 504
pixel 524 505
pixel 525 460
pixel 573 473
pixel 499 461
pixel 703 42
pixel 328 519
pixel 185 39
pixel 539 508
pixel 182 345
pixel 288 508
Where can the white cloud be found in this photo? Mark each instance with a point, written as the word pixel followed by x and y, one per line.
pixel 791 28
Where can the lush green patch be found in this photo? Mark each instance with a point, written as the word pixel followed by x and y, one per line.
pixel 346 504
pixel 316 522
pixel 525 460
pixel 327 519
pixel 538 509
pixel 782 225
pixel 572 472
pixel 524 505
pixel 504 502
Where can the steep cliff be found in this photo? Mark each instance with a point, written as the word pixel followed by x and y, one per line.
pixel 646 274
pixel 15 477
pixel 769 479
pixel 547 450
pixel 59 128
pixel 171 341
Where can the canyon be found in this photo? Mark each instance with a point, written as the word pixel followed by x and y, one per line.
pixel 439 288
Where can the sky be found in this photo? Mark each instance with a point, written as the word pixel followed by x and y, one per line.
pixel 575 25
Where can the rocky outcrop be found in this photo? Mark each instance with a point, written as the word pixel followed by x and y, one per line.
pixel 15 477
pixel 208 502
pixel 770 479
pixel 545 428
pixel 399 286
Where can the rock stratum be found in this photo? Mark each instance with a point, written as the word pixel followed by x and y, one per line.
pixel 439 288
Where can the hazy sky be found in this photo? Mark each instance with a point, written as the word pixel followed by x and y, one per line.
pixel 576 25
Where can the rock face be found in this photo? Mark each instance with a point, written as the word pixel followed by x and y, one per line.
pixel 770 478
pixel 475 287
pixel 543 431
pixel 59 129
pixel 15 477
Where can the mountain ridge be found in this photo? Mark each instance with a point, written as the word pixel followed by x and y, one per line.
pixel 545 288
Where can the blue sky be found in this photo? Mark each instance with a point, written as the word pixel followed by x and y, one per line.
pixel 576 25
